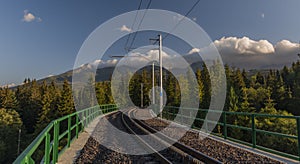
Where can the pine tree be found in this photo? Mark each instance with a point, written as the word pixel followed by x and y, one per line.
pixel 269 107
pixel 246 80
pixel 66 104
pixel 47 113
pixel 134 89
pixel 10 123
pixel 200 86
pixel 279 91
pixel 108 93
pixel 233 101
pixel 207 88
pixel 8 99
pixel 100 93
pixel 260 79
pixel 245 105
pixel 238 82
pixel 271 80
pixel 193 87
pixel 145 79
pixel 170 90
pixel 29 98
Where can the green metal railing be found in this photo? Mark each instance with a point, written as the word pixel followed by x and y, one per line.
pixel 59 134
pixel 256 135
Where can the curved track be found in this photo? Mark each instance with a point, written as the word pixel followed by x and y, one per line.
pixel 147 136
pixel 175 153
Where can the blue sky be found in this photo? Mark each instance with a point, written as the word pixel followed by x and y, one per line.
pixel 48 44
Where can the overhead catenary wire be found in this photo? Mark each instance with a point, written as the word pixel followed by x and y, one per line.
pixel 190 10
pixel 133 23
pixel 135 34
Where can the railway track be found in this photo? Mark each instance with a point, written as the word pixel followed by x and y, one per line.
pixel 146 136
pixel 95 152
pixel 221 151
pixel 174 153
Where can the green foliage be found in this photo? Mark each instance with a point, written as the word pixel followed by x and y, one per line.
pixel 8 99
pixel 33 105
pixel 233 101
pixel 10 123
pixel 66 104
pixel 201 85
pixel 207 88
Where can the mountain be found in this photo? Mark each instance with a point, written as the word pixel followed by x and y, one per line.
pixel 105 70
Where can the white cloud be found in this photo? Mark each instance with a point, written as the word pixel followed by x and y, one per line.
pixel 145 57
pixel 154 54
pixel 285 46
pixel 194 50
pixel 244 46
pixel 251 54
pixel 102 63
pixel 125 28
pixel 29 17
pixel 263 15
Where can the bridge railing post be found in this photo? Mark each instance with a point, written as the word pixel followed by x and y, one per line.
pixel 205 122
pixel 298 133
pixel 47 148
pixel 77 125
pixel 253 130
pixel 69 131
pixel 224 125
pixel 55 141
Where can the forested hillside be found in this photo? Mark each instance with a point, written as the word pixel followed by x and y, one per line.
pixel 31 106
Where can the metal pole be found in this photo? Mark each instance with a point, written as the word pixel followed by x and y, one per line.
pixel 142 96
pixel 153 90
pixel 160 71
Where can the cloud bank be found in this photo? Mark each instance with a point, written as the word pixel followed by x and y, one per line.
pixel 252 54
pixel 238 52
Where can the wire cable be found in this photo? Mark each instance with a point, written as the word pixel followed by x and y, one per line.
pixel 135 34
pixel 191 9
pixel 139 7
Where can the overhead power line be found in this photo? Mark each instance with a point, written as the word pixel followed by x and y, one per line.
pixel 190 10
pixel 135 34
pixel 136 14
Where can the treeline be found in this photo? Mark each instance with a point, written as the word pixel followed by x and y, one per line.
pixel 246 91
pixel 31 106
pixel 273 92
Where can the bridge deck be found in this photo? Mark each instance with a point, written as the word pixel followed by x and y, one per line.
pixel 70 154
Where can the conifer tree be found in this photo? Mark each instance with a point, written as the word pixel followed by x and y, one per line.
pixel 47 113
pixel 233 101
pixel 201 85
pixel 66 104
pixel 207 88
pixel 260 79
pixel 10 123
pixel 8 99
